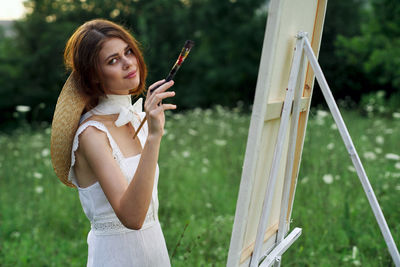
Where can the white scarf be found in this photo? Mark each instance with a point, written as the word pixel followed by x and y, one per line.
pixel 118 104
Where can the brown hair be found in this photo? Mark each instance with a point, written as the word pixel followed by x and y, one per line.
pixel 81 56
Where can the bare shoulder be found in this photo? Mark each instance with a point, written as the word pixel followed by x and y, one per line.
pixel 92 137
pixel 92 133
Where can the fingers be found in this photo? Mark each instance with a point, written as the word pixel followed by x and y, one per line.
pixel 158 83
pixel 159 94
pixel 161 109
pixel 161 87
pixel 157 98
pixel 168 106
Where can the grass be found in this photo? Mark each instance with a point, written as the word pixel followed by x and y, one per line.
pixel 42 222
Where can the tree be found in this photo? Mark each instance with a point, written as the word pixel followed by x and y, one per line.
pixel 375 52
pixel 343 19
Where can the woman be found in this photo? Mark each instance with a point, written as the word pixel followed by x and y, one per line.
pixel 93 148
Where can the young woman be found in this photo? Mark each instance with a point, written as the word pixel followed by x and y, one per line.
pixel 93 147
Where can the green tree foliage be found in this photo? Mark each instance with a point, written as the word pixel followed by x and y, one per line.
pixel 221 69
pixel 343 18
pixel 359 50
pixel 374 54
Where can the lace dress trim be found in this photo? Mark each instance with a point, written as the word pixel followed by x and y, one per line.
pixel 110 225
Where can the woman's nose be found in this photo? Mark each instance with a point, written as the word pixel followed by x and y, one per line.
pixel 127 62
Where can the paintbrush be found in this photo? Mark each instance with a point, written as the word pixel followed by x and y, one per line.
pixel 182 56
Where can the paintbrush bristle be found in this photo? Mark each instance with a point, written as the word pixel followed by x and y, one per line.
pixel 189 44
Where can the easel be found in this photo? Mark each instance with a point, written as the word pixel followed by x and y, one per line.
pixel 292 105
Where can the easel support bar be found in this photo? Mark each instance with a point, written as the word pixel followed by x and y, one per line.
pixel 353 153
pixel 277 252
pixel 287 107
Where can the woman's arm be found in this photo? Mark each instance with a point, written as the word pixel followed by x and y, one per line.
pixel 129 201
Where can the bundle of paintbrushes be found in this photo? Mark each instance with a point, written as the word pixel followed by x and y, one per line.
pixel 182 56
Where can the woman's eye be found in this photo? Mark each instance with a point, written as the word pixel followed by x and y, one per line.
pixel 112 61
pixel 129 51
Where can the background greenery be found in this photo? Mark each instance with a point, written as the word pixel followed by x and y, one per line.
pixel 42 222
pixel 359 51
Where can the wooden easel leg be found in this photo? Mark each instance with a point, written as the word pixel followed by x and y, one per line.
pixel 353 153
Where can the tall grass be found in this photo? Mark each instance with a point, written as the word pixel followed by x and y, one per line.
pixel 42 222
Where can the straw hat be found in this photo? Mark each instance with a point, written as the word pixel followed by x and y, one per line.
pixel 70 104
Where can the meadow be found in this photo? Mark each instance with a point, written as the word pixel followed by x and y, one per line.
pixel 42 222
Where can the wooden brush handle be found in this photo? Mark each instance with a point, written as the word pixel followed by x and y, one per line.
pixel 140 127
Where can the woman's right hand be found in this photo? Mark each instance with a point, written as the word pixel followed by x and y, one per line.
pixel 154 111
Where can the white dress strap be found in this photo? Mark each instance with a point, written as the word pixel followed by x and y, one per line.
pixel 117 154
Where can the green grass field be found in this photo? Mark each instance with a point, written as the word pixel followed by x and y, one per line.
pixel 42 222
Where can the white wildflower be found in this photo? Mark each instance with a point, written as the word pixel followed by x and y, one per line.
pixel 334 126
pixel 177 116
pixel 322 113
pixel 45 152
pixel 351 168
pixel 397 187
pixel 330 146
pixel 39 189
pixel 354 253
pixel 369 155
pixel 319 121
pixel 392 156
pixel 328 178
pixel 397 165
pixel 15 234
pixel 220 142
pixel 304 180
pixel 181 141
pixel 208 205
pixel 192 132
pixel 379 140
pixel 206 161
pixel 369 108
pixel 388 131
pixel 22 108
pixel 364 138
pixel 204 169
pixel 171 136
pixel 378 150
pixel 396 115
pixel 47 162
pixel 186 154
pixel 380 94
pixel 37 175
pixel 385 186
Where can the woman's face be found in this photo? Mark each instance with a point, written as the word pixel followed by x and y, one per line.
pixel 119 67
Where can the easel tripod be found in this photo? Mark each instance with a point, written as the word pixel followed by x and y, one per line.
pixel 292 105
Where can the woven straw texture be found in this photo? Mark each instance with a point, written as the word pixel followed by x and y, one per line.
pixel 70 105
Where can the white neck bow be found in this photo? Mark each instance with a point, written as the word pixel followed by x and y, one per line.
pixel 118 104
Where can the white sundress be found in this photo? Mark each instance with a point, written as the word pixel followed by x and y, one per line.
pixel 110 243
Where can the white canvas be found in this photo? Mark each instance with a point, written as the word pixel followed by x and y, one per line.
pixel 285 19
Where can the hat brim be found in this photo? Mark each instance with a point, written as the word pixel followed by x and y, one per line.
pixel 70 105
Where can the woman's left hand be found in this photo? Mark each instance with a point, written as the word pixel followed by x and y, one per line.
pixel 155 109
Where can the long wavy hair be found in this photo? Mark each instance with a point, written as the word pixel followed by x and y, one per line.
pixel 81 56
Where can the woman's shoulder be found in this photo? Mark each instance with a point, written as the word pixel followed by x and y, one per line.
pixel 92 132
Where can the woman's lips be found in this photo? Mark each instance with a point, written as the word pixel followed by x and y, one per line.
pixel 130 75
